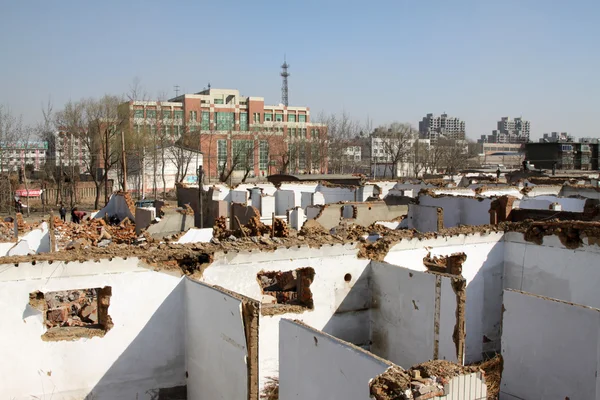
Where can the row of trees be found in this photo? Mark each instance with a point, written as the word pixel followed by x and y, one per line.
pixel 397 146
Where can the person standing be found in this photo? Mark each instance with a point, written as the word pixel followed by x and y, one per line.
pixel 63 212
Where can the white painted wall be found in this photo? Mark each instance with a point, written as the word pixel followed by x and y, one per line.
pixel 116 206
pixel 552 270
pixel 312 212
pixel 296 218
pixel 336 194
pixel 237 272
pixel 550 349
pixel 215 343
pixel 305 199
pixel 195 235
pixel 314 365
pixel 501 191
pixel 422 218
pixel 544 190
pixel 146 308
pixel 365 192
pixel 284 200
pixel 460 210
pixel 239 196
pixel 404 314
pixel 543 203
pixel 587 192
pixel 483 272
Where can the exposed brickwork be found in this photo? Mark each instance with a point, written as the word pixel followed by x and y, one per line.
pixel 288 287
pixel 82 308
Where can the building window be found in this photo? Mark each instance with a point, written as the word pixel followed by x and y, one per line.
pixel 166 113
pixel 221 152
pixel 218 101
pixel 193 116
pixel 177 130
pixel 138 113
pixel 243 121
pixel 268 116
pixel 256 118
pixel 302 156
pixel 279 117
pixel 178 114
pixel 567 147
pixel 263 155
pixel 151 114
pixel 225 121
pixel 291 117
pixel 205 121
pixel 243 154
pixel 302 118
pixel 167 130
pixel 303 133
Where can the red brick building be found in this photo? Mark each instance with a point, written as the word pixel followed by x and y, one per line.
pixel 238 133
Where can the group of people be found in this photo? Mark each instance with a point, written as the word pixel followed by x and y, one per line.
pixel 76 215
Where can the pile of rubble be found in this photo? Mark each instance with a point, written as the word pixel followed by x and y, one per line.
pixel 423 381
pixel 7 227
pixel 254 228
pixel 95 232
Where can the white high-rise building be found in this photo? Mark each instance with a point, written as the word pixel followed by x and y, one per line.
pixel 441 126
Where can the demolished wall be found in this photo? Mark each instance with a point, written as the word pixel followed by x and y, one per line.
pixel 414 315
pixel 327 367
pixel 341 297
pixel 363 214
pixel 549 347
pixel 551 269
pixel 460 210
pixel 482 270
pixel 125 363
pixel 222 360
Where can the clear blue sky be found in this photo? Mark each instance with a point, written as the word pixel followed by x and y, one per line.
pixel 389 60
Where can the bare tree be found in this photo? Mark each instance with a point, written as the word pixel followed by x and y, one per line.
pixel 71 120
pixel 454 154
pixel 397 140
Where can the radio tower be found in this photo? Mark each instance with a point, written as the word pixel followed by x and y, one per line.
pixel 284 84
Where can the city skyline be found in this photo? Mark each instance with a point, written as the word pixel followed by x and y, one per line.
pixel 348 58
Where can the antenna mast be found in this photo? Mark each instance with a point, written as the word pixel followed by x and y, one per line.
pixel 284 85
pixel 176 87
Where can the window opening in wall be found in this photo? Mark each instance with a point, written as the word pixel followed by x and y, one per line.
pixel 286 291
pixel 349 212
pixel 74 314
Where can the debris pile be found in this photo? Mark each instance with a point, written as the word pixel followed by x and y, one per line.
pixel 185 210
pixel 422 381
pixel 92 232
pixel 254 228
pixel 280 228
pixel 492 369
pixel 7 228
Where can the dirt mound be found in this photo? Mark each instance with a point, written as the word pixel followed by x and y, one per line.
pixel 312 228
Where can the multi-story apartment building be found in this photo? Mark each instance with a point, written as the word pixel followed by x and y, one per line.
pixel 557 137
pixel 434 127
pixel 563 155
pixel 16 156
pixel 68 149
pixel 509 131
pixel 238 132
